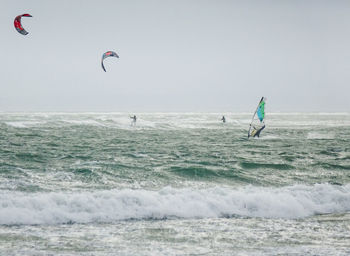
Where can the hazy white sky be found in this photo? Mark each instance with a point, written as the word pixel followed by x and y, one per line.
pixel 176 55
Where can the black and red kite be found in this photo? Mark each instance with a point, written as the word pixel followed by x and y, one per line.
pixel 106 55
pixel 18 24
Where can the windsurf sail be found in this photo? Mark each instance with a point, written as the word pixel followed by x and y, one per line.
pixel 257 124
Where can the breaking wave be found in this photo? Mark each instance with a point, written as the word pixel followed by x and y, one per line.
pixel 290 202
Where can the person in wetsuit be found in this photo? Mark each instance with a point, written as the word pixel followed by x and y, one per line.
pixel 256 132
pixel 133 119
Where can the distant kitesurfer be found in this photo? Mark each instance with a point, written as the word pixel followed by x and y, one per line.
pixel 223 119
pixel 133 119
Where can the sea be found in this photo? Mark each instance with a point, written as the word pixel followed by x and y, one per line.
pixel 174 184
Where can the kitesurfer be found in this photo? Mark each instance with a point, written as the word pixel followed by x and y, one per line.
pixel 133 119
pixel 223 119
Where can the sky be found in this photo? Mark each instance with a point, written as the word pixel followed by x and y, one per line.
pixel 176 55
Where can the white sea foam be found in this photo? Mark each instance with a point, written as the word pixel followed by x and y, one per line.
pixel 176 120
pixel 24 124
pixel 320 136
pixel 269 137
pixel 296 201
pixel 84 122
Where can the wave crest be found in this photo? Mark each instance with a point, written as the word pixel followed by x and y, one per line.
pixel 296 201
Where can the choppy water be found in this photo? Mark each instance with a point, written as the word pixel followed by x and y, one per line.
pixel 174 184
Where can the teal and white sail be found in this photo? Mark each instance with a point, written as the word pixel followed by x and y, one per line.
pixel 257 124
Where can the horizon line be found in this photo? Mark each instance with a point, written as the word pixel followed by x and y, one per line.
pixel 168 112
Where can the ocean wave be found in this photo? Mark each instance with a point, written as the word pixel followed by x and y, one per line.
pixel 166 121
pixel 25 124
pixel 320 136
pixel 89 122
pixel 290 202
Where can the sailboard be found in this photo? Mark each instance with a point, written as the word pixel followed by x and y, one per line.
pixel 257 124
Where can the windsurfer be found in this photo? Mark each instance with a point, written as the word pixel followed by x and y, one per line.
pixel 257 124
pixel 256 132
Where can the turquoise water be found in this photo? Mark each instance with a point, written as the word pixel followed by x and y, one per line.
pixel 174 184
